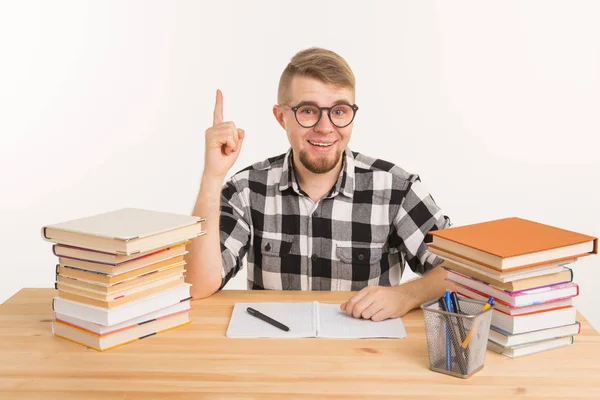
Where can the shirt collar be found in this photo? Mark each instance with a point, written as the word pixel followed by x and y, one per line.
pixel 344 183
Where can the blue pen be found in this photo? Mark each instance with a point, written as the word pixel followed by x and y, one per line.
pixel 448 302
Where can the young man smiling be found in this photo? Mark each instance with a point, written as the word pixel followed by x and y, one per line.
pixel 318 217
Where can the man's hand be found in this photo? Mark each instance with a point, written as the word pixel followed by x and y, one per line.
pixel 223 143
pixel 379 303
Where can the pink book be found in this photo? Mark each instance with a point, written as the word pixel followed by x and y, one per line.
pixel 520 298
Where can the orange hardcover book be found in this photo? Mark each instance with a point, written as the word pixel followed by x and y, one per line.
pixel 512 243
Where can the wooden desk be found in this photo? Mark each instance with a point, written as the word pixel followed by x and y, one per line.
pixel 198 361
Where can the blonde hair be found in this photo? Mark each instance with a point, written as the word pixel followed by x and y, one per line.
pixel 321 64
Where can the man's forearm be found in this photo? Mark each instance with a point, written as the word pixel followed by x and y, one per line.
pixel 203 261
pixel 431 285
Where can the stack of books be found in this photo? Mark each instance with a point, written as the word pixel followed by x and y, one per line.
pixel 526 267
pixel 120 275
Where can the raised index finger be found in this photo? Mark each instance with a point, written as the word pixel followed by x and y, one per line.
pixel 218 114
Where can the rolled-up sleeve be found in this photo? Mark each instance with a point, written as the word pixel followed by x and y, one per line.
pixel 234 231
pixel 417 216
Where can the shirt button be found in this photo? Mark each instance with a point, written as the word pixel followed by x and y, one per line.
pixel 314 257
pixel 361 256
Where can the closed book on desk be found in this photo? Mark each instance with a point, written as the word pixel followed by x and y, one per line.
pixel 116 315
pixel 104 289
pixel 120 298
pixel 114 339
pixel 565 274
pixel 520 298
pixel 103 257
pixel 534 321
pixel 126 231
pixel 531 348
pixel 503 306
pixel 513 243
pixel 506 339
pixel 470 268
pixel 114 269
pixel 142 319
pixel 109 279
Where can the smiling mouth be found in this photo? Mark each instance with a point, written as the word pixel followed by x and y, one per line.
pixel 321 144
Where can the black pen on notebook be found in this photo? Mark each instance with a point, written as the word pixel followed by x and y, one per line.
pixel 259 315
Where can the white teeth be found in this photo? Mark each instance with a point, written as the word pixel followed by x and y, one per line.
pixel 320 144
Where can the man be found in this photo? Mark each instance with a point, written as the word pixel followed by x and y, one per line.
pixel 319 217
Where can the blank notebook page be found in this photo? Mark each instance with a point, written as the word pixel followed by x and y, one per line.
pixel 335 323
pixel 299 317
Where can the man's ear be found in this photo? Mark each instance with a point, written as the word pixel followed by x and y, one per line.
pixel 278 113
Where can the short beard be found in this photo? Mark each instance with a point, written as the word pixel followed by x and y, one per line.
pixel 321 166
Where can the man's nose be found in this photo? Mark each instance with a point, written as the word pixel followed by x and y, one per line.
pixel 324 125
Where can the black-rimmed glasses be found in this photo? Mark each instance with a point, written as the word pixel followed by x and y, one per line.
pixel 309 115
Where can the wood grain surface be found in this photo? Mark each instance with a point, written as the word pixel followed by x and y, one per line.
pixel 197 361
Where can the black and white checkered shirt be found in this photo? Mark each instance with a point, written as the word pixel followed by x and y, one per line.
pixel 361 233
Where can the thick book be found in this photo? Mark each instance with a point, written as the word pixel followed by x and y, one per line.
pixel 513 243
pixel 459 264
pixel 530 348
pixel 308 319
pixel 506 339
pixel 519 298
pixel 534 321
pixel 123 267
pixel 123 297
pixel 114 339
pixel 142 319
pixel 110 289
pixel 564 275
pixel 116 315
pixel 126 231
pixel 109 279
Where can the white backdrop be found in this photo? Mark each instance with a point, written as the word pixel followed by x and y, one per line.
pixel 104 105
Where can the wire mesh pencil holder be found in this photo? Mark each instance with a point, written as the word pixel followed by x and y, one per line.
pixel 457 343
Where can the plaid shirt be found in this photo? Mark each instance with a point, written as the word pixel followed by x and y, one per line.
pixel 374 219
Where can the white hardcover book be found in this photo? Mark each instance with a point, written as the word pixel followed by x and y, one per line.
pixel 116 315
pixel 506 339
pixel 126 231
pixel 531 348
pixel 534 322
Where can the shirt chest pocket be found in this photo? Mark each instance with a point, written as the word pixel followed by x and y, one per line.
pixel 360 264
pixel 276 263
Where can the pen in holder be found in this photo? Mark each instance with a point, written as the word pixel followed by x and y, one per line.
pixel 457 332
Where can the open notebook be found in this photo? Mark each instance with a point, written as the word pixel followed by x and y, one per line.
pixel 308 319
